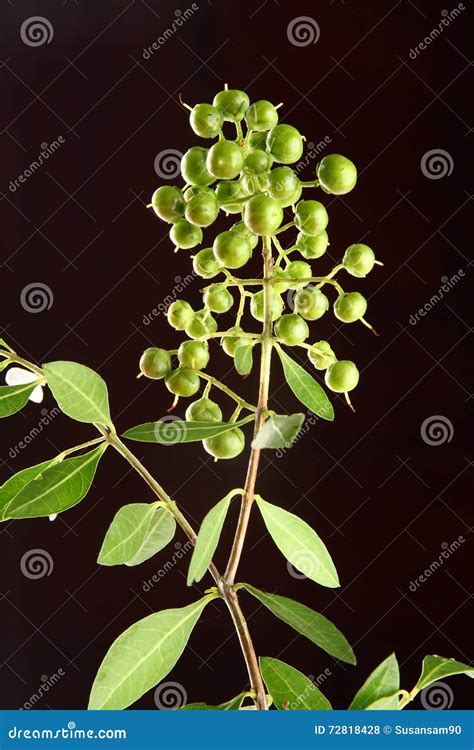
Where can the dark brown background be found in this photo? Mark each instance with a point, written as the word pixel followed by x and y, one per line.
pixel 383 499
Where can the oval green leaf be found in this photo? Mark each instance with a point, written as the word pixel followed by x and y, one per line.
pixel 243 359
pixel 307 622
pixel 299 543
pixel 18 481
pixel 14 397
pixel 437 667
pixel 305 387
pixel 382 683
pixel 143 655
pixel 208 538
pixel 278 431
pixel 170 432
pixel 389 703
pixel 57 488
pixel 80 392
pixel 138 532
pixel 290 689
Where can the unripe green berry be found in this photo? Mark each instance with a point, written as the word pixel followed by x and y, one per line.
pixel 194 354
pixel 225 160
pixel 257 306
pixel 358 260
pixel 311 303
pixel 231 250
pixel 218 299
pixel 202 209
pixel 205 263
pixel 255 183
pixel 291 329
pixel 232 103
pixel 283 183
pixel 298 269
pixel 312 247
pixel 311 217
pixel 257 162
pixel 155 363
pixel 227 445
pixel 336 174
pixel 261 116
pixel 350 307
pixel 258 140
pixel 241 230
pixel 193 167
pixel 185 235
pixel 230 343
pixel 342 376
pixel 293 199
pixel 321 355
pixel 226 192
pixel 201 325
pixel 262 215
pixel 206 120
pixel 180 314
pixel 204 410
pixel 168 203
pixel 182 382
pixel 285 144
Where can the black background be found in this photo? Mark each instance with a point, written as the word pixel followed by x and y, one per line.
pixel 382 498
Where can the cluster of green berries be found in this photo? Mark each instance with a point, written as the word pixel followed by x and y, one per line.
pixel 250 177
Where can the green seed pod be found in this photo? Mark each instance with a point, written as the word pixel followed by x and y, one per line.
pixel 206 120
pixel 262 215
pixel 180 314
pixel 261 116
pixel 241 230
pixel 283 183
pixel 201 325
pixel 342 376
pixel 204 410
pixel 321 355
pixel 358 260
pixel 218 299
pixel 232 103
pixel 227 445
pixel 299 269
pixel 291 329
pixel 258 140
pixel 168 203
pixel 155 363
pixel 350 307
pixel 336 174
pixel 312 247
pixel 230 343
pixel 205 263
pixel 285 144
pixel 231 250
pixel 293 200
pixel 311 217
pixel 194 354
pixel 185 235
pixel 257 162
pixel 254 183
pixel 225 160
pixel 193 167
pixel 182 382
pixel 311 303
pixel 202 209
pixel 226 192
pixel 257 310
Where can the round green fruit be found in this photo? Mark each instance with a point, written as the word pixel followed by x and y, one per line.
pixel 262 215
pixel 358 260
pixel 202 209
pixel 218 299
pixel 321 355
pixel 312 247
pixel 311 303
pixel 182 382
pixel 257 162
pixel 206 120
pixel 261 116
pixel 283 183
pixel 298 269
pixel 203 410
pixel 185 235
pixel 342 376
pixel 291 329
pixel 227 445
pixel 350 307
pixel 257 307
pixel 168 203
pixel 155 363
pixel 241 230
pixel 311 217
pixel 232 103
pixel 193 167
pixel 205 263
pixel 194 354
pixel 225 160
pixel 336 174
pixel 227 192
pixel 231 250
pixel 230 343
pixel 285 144
pixel 201 325
pixel 258 140
pixel 180 314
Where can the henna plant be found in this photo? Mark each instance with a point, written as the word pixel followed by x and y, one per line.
pixel 254 184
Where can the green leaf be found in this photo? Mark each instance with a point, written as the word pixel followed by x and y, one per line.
pixel 208 538
pixel 18 481
pixel 305 387
pixel 80 392
pixel 382 683
pixel 14 397
pixel 437 667
pixel 167 432
pixel 143 655
pixel 278 431
pixel 299 543
pixel 306 621
pixel 290 688
pixel 389 703
pixel 233 705
pixel 57 488
pixel 243 359
pixel 138 532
